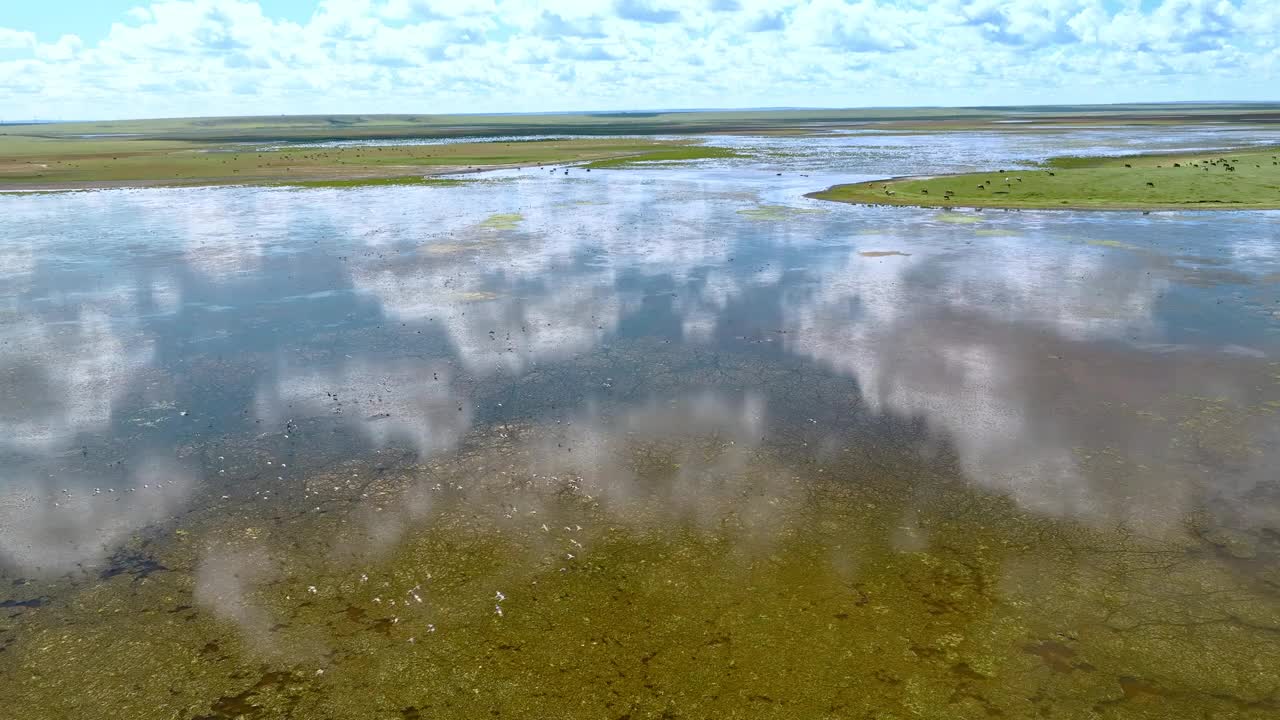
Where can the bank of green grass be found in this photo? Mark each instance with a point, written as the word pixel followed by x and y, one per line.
pixel 1238 179
pixel 32 163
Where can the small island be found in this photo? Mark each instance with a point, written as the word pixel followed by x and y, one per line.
pixel 1247 179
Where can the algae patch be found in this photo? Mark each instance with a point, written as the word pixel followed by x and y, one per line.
pixel 957 218
pixel 1112 244
pixel 502 221
pixel 777 212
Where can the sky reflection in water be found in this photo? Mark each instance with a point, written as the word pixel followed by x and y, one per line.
pixel 163 350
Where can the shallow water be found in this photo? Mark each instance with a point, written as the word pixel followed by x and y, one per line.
pixel 670 442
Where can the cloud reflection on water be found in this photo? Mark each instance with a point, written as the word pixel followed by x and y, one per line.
pixel 965 329
pixel 44 529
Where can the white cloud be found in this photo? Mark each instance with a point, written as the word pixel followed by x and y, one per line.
pixel 16 39
pixel 193 57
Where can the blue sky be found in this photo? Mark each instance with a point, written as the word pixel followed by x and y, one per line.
pixel 78 59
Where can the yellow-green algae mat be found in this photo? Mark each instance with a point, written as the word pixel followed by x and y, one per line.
pixel 787 588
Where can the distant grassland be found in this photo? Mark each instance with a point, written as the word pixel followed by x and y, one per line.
pixel 1238 179
pixel 68 163
pixel 787 121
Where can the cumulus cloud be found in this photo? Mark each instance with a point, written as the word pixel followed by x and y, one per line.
pixel 643 11
pixel 16 39
pixel 194 57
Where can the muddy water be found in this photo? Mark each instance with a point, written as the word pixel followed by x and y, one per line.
pixel 647 443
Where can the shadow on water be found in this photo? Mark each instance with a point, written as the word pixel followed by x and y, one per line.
pixel 633 445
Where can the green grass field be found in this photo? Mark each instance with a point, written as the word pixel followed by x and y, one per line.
pixel 69 163
pixel 1239 179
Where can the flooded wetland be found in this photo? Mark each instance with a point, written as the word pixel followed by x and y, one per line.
pixel 647 442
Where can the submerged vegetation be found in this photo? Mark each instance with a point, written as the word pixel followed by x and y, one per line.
pixel 1237 179
pixel 776 212
pixel 674 573
pixel 502 221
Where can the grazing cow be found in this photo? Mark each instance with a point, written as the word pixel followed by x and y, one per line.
pixel 926 192
pixel 1151 184
pixel 1128 165
pixel 982 187
pixel 1052 174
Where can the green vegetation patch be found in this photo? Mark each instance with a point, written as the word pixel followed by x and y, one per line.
pixel 1236 180
pixel 958 219
pixel 776 212
pixel 502 221
pixel 1112 244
